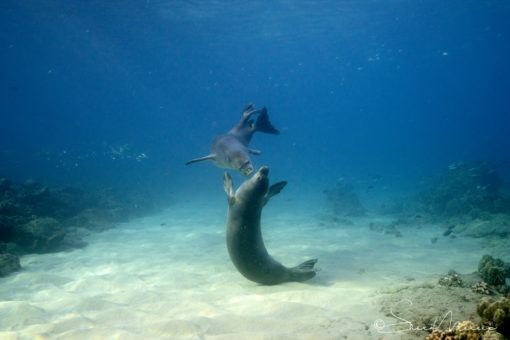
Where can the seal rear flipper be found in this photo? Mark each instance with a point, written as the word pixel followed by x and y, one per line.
pixel 247 113
pixel 304 271
pixel 264 125
pixel 205 158
pixel 248 109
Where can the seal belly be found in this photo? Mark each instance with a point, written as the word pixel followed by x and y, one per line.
pixel 247 251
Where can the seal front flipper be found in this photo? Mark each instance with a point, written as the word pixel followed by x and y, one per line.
pixel 228 185
pixel 255 152
pixel 205 158
pixel 274 190
pixel 304 271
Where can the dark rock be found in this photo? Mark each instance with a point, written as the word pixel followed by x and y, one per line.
pixel 9 207
pixel 343 201
pixel 37 218
pixel 11 248
pixel 377 227
pixel 5 185
pixel 495 225
pixel 389 229
pixel 39 235
pixel 8 263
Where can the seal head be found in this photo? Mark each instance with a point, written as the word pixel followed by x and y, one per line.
pixel 253 191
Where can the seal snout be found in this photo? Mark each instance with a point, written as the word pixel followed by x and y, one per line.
pixel 263 171
pixel 247 171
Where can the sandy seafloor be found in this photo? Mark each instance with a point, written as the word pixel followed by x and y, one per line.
pixel 168 276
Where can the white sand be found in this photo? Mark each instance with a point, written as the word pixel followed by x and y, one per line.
pixel 144 280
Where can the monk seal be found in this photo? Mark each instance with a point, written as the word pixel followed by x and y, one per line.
pixel 244 238
pixel 230 150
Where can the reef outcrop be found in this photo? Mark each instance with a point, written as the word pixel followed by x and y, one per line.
pixel 469 198
pixel 8 263
pixel 494 272
pixel 466 188
pixel 496 313
pixel 36 218
pixel 343 201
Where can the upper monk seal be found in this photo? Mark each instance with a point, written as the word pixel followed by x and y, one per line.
pixel 231 149
pixel 244 238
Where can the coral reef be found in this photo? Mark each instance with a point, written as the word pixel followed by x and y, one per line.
pixel 467 330
pixel 451 280
pixel 494 272
pixel 36 218
pixel 496 313
pixel 39 235
pixel 429 306
pixel 468 199
pixel 467 188
pixel 492 335
pixel 481 288
pixel 343 201
pixel 442 335
pixel 488 260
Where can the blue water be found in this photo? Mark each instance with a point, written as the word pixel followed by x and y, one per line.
pixel 125 92
pixel 383 95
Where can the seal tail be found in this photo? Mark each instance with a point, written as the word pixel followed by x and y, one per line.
pixel 264 125
pixel 304 271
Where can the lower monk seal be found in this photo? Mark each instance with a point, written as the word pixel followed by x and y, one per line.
pixel 230 150
pixel 244 238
